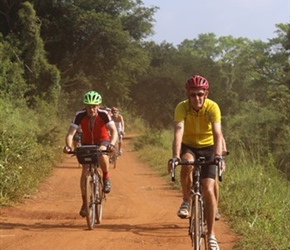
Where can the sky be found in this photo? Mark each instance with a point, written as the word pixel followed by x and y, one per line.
pixel 177 20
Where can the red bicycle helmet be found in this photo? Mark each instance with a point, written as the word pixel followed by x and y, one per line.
pixel 197 82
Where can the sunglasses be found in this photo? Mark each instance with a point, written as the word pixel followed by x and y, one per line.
pixel 91 106
pixel 200 94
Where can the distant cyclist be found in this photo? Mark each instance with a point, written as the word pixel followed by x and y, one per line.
pixel 198 132
pixel 120 125
pixel 96 124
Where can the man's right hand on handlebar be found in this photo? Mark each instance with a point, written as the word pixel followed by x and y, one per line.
pixel 66 149
pixel 174 160
pixel 111 148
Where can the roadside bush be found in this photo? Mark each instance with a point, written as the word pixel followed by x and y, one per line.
pixel 24 159
pixel 150 138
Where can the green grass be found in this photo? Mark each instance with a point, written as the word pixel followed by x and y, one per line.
pixel 255 198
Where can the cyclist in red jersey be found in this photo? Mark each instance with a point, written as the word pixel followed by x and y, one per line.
pixel 96 124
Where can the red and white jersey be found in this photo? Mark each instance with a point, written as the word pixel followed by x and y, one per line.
pixel 94 131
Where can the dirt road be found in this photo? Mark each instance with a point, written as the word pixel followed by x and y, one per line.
pixel 139 213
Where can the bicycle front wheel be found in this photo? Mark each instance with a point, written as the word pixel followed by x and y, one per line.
pixel 90 200
pixel 99 199
pixel 113 158
pixel 196 225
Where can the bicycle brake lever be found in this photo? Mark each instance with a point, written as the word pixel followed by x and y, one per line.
pixel 172 171
pixel 220 172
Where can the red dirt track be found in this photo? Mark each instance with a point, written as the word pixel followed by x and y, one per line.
pixel 139 213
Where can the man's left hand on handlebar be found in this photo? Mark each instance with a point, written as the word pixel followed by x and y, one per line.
pixel 220 162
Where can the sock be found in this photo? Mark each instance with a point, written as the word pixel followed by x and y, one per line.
pixel 105 175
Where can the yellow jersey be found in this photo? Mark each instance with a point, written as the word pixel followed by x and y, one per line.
pixel 198 125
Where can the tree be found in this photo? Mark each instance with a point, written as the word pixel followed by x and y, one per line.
pixel 93 43
pixel 23 34
pixel 41 76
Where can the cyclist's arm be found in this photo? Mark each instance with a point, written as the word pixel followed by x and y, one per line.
pixel 69 136
pixel 218 138
pixel 178 134
pixel 224 145
pixel 218 141
pixel 113 132
pixel 122 123
pixel 79 129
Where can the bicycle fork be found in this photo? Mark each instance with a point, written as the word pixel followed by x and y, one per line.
pixel 191 218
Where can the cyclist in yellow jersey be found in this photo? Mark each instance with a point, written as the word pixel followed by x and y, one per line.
pixel 198 132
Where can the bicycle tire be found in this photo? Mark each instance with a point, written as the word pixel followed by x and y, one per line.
pixel 90 201
pixel 196 225
pixel 99 199
pixel 113 158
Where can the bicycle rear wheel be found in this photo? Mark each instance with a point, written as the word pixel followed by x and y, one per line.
pixel 90 201
pixel 99 199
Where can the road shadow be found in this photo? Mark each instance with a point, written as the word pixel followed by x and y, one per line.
pixel 41 226
pixel 150 229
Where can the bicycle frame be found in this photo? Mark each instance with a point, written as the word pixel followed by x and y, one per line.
pixel 197 226
pixel 94 195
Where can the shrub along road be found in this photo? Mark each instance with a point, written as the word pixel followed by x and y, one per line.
pixel 139 213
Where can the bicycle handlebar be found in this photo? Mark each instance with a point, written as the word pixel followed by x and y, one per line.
pixel 194 163
pixel 97 151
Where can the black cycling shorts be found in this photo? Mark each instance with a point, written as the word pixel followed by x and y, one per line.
pixel 208 153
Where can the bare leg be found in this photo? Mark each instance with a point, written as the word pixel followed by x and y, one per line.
pixel 210 203
pixel 185 179
pixel 83 179
pixel 216 189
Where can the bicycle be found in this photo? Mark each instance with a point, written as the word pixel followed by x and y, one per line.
pixel 113 156
pixel 197 225
pixel 94 194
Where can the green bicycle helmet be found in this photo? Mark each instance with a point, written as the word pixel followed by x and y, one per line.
pixel 92 98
